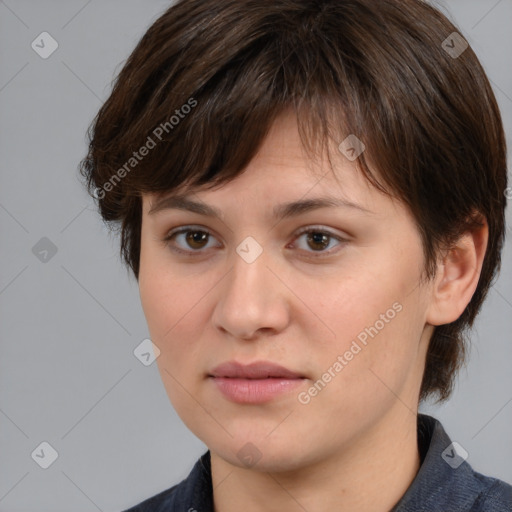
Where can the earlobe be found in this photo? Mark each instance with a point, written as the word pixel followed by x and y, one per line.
pixel 458 274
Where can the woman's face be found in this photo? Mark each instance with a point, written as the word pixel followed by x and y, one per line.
pixel 341 306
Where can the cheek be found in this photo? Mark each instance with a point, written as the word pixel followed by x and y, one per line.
pixel 174 308
pixel 377 321
pixel 160 305
pixel 369 332
pixel 165 294
pixel 174 327
pixel 353 304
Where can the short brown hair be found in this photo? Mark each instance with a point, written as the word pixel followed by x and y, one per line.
pixel 381 70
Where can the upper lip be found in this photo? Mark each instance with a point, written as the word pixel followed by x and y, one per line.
pixel 256 370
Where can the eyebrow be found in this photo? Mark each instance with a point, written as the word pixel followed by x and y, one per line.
pixel 280 212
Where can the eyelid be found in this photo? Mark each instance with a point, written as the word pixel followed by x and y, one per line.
pixel 321 229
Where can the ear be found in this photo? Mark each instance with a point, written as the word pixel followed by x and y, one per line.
pixel 457 276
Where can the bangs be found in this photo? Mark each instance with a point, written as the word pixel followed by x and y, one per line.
pixel 204 129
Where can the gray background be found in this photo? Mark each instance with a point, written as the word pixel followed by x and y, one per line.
pixel 68 328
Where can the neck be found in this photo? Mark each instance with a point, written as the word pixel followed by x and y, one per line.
pixel 370 475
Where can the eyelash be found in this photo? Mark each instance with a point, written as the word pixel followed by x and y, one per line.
pixel 193 253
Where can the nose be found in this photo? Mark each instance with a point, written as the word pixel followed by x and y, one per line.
pixel 252 300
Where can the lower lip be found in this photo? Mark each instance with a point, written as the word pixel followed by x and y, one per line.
pixel 255 391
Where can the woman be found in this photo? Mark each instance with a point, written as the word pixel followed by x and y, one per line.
pixel 311 196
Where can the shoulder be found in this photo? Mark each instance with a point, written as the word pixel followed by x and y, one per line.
pixel 193 493
pixel 158 503
pixel 446 481
pixel 495 495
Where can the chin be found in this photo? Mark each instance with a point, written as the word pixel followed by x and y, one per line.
pixel 262 455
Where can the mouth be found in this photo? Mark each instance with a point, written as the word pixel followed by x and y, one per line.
pixel 257 370
pixel 254 383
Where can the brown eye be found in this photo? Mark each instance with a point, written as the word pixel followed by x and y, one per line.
pixel 195 242
pixel 317 240
pixel 196 239
pixel 189 241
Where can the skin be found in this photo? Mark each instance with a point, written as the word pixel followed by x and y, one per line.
pixel 340 450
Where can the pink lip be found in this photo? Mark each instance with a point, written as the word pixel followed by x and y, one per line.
pixel 254 383
pixel 257 370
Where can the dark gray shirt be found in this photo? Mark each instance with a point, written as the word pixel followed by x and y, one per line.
pixel 444 483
